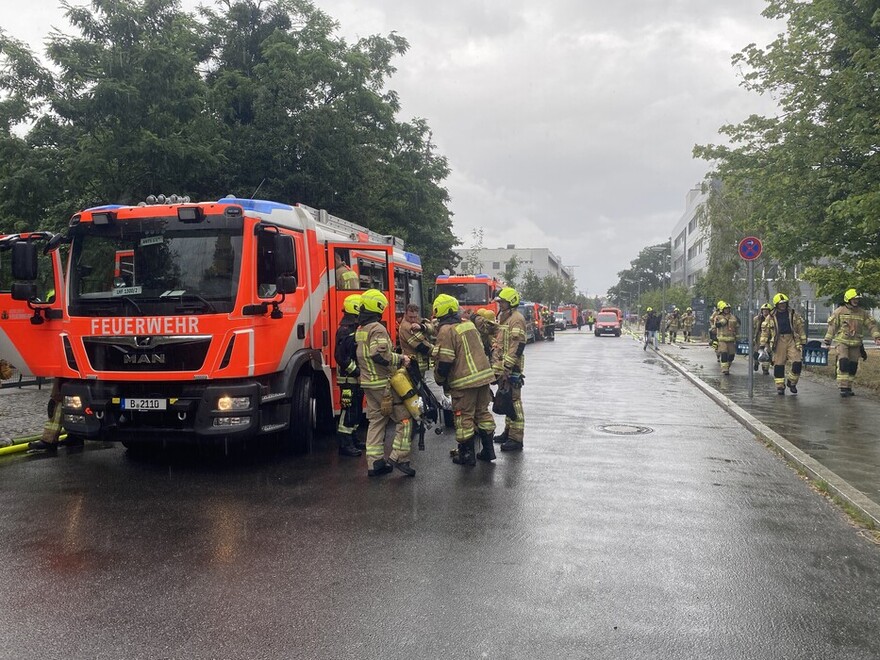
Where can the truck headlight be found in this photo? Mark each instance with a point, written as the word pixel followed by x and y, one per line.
pixel 228 403
pixel 74 401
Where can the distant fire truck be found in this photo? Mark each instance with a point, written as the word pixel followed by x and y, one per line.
pixel 211 321
pixel 473 292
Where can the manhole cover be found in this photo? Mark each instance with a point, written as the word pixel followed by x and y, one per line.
pixel 624 429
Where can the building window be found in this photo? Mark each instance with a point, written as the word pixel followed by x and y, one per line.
pixel 692 225
pixel 496 265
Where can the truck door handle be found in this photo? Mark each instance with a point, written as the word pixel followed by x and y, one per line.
pixel 301 331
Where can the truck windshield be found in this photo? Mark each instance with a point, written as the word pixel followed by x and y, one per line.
pixel 155 266
pixel 466 294
pixel 607 317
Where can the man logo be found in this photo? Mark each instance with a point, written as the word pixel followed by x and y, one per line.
pixel 144 358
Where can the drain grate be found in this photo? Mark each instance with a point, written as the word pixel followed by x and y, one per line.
pixel 624 429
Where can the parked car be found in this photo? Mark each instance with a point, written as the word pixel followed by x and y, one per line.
pixel 560 321
pixel 607 323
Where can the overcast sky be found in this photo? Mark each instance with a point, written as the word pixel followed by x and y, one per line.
pixel 568 124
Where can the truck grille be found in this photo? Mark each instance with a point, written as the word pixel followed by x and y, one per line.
pixel 147 353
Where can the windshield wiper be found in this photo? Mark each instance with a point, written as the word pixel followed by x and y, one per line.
pixel 205 304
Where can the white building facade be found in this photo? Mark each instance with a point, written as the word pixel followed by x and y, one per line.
pixel 690 241
pixel 493 261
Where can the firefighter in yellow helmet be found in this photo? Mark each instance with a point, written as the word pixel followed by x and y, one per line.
pixel 346 278
pixel 377 361
pixel 783 334
pixel 462 368
pixel 688 320
pixel 347 374
pixel 846 326
pixel 509 364
pixel 757 323
pixel 484 321
pixel 416 337
pixel 726 325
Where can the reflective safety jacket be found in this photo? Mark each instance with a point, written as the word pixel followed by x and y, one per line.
pixel 375 358
pixel 688 320
pixel 757 324
pixel 461 363
pixel 770 329
pixel 847 324
pixel 509 358
pixel 346 350
pixel 726 326
pixel 415 343
pixel 488 332
pixel 346 278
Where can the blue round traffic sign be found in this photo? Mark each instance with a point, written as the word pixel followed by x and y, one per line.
pixel 750 248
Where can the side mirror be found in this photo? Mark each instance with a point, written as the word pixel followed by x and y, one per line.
pixel 24 290
pixel 285 260
pixel 24 261
pixel 285 284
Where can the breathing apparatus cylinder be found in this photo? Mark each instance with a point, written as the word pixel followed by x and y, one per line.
pixel 402 384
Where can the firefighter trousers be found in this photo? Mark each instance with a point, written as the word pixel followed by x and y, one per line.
pixel 471 409
pixel 402 442
pixel 350 416
pixel 847 365
pixel 786 351
pixel 514 429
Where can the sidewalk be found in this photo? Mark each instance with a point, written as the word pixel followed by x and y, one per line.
pixel 839 434
pixel 23 410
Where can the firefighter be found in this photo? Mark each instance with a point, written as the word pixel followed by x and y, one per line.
pixel 590 321
pixel 549 323
pixel 672 324
pixel 508 365
pixel 846 326
pixel 377 362
pixel 484 321
pixel 415 337
pixel 346 278
pixel 688 320
pixel 757 324
pixel 713 331
pixel 783 333
pixel 347 374
pixel 50 439
pixel 462 367
pixel 726 324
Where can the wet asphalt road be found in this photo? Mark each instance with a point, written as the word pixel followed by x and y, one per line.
pixel 691 540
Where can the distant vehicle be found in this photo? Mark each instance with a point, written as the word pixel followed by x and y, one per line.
pixel 471 291
pixel 560 321
pixel 607 323
pixel 615 310
pixel 531 316
pixel 571 314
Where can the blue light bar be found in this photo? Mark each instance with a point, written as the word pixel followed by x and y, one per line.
pixel 258 205
pixel 413 258
pixel 107 207
pixel 482 276
pixel 443 277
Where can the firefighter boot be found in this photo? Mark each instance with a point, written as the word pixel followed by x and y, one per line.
pixel 488 452
pixel 346 445
pixel 500 439
pixel 465 453
pixel 380 467
pixel 357 442
pixel 792 386
pixel 512 445
pixel 404 467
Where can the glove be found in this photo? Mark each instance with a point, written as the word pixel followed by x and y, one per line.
pixel 346 397
pixel 863 352
pixel 515 380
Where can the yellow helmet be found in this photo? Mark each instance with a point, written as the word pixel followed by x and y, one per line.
pixel 374 300
pixel 444 305
pixel 719 305
pixel 723 305
pixel 689 309
pixel 510 295
pixel 779 298
pixel 487 314
pixel 766 306
pixel 850 294
pixel 352 304
pixel 649 309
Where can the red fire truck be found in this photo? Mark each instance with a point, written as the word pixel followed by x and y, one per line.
pixel 210 321
pixel 473 292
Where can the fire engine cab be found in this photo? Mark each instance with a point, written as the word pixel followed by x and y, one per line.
pixel 473 292
pixel 211 321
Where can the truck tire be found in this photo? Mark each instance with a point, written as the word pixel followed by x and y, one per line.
pixel 301 432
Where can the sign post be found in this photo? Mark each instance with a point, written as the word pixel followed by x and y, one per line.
pixel 750 248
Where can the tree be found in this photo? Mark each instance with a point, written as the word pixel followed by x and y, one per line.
pixel 472 263
pixel 511 271
pixel 531 287
pixel 811 173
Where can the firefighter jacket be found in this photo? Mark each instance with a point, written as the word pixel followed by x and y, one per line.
pixel 757 324
pixel 488 331
pixel 375 358
pixel 512 328
pixel 726 325
pixel 346 351
pixel 346 278
pixel 774 326
pixel 672 321
pixel 688 320
pixel 461 363
pixel 847 324
pixel 415 342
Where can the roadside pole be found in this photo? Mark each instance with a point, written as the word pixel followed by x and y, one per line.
pixel 750 248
